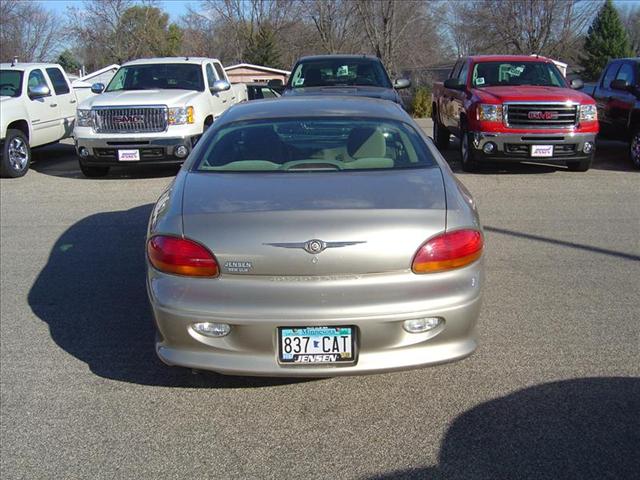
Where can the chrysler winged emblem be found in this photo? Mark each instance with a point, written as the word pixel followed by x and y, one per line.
pixel 313 246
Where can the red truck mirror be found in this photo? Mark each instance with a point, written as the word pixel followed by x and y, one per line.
pixel 453 84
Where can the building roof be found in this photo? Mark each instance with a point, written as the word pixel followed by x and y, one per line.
pixel 257 67
pixel 315 106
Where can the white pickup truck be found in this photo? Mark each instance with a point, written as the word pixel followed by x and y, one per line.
pixel 152 112
pixel 37 107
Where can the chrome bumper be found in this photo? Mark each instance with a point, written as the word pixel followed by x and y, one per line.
pixel 103 151
pixel 516 146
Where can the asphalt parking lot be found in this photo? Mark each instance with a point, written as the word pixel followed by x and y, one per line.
pixel 552 393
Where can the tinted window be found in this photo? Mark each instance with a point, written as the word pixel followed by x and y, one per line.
pixel 464 73
pixel 219 71
pixel 610 75
pixel 57 79
pixel 625 73
pixel 339 72
pixel 211 78
pixel 314 144
pixel 10 83
pixel 488 74
pixel 36 78
pixel 175 76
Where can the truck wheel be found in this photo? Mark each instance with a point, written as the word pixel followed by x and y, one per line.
pixel 16 155
pixel 440 134
pixel 469 163
pixel 634 148
pixel 581 165
pixel 93 171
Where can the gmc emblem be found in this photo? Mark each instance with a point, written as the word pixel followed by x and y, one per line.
pixel 538 115
pixel 128 119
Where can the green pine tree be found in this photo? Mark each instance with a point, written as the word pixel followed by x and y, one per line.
pixel 606 39
pixel 68 62
pixel 262 48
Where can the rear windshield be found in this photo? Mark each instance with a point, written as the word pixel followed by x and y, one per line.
pixel 339 72
pixel 158 77
pixel 489 74
pixel 314 144
pixel 10 83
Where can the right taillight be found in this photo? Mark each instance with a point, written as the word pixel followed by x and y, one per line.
pixel 181 257
pixel 448 251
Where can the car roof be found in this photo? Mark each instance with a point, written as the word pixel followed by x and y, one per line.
pixel 508 58
pixel 159 60
pixel 26 66
pixel 314 106
pixel 337 56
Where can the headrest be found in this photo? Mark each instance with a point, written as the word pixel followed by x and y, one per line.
pixel 366 142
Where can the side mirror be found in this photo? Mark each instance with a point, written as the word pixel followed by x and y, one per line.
pixel 220 86
pixel 576 84
pixel 97 88
pixel 275 82
pixel 401 83
pixel 453 84
pixel 621 85
pixel 39 91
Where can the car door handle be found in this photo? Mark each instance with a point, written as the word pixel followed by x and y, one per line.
pixel 73 101
pixel 53 105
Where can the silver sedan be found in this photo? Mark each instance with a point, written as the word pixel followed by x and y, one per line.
pixel 314 237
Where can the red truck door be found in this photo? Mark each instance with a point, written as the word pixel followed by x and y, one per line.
pixel 455 98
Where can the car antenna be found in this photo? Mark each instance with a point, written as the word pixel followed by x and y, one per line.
pixel 186 59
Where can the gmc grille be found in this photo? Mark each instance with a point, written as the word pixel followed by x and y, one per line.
pixel 130 119
pixel 535 115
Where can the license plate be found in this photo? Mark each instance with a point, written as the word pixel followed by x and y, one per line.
pixel 542 150
pixel 129 155
pixel 324 345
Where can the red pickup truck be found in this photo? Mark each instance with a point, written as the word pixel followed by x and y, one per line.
pixel 514 108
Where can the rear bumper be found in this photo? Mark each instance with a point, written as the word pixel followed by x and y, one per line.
pixel 376 305
pixel 153 151
pixel 516 147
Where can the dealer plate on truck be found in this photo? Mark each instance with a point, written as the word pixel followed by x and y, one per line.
pixel 542 150
pixel 129 155
pixel 316 345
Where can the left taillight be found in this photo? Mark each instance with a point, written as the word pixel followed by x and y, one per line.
pixel 448 251
pixel 180 256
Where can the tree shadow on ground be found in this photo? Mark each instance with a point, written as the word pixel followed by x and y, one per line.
pixel 92 295
pixel 576 429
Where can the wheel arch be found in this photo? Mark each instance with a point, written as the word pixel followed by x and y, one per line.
pixel 21 125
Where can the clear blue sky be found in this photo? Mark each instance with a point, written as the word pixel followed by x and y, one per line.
pixel 175 8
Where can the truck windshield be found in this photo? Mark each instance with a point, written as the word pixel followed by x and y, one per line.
pixel 339 72
pixel 174 76
pixel 10 83
pixel 290 145
pixel 490 74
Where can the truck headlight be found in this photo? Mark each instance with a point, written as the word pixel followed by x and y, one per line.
pixel 489 113
pixel 181 115
pixel 84 118
pixel 588 113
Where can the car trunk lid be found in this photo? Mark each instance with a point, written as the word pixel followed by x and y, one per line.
pixel 266 223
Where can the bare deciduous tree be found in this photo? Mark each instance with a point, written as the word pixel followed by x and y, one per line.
pixel 334 21
pixel 28 31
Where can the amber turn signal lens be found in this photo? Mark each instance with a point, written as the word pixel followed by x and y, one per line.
pixel 448 251
pixel 180 256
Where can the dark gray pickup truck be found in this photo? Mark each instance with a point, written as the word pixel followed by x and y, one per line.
pixel 617 96
pixel 350 75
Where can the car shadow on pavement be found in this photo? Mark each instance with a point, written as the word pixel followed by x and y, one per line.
pixel 92 295
pixel 583 429
pixel 60 160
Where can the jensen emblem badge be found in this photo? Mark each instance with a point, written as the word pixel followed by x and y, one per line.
pixel 313 246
